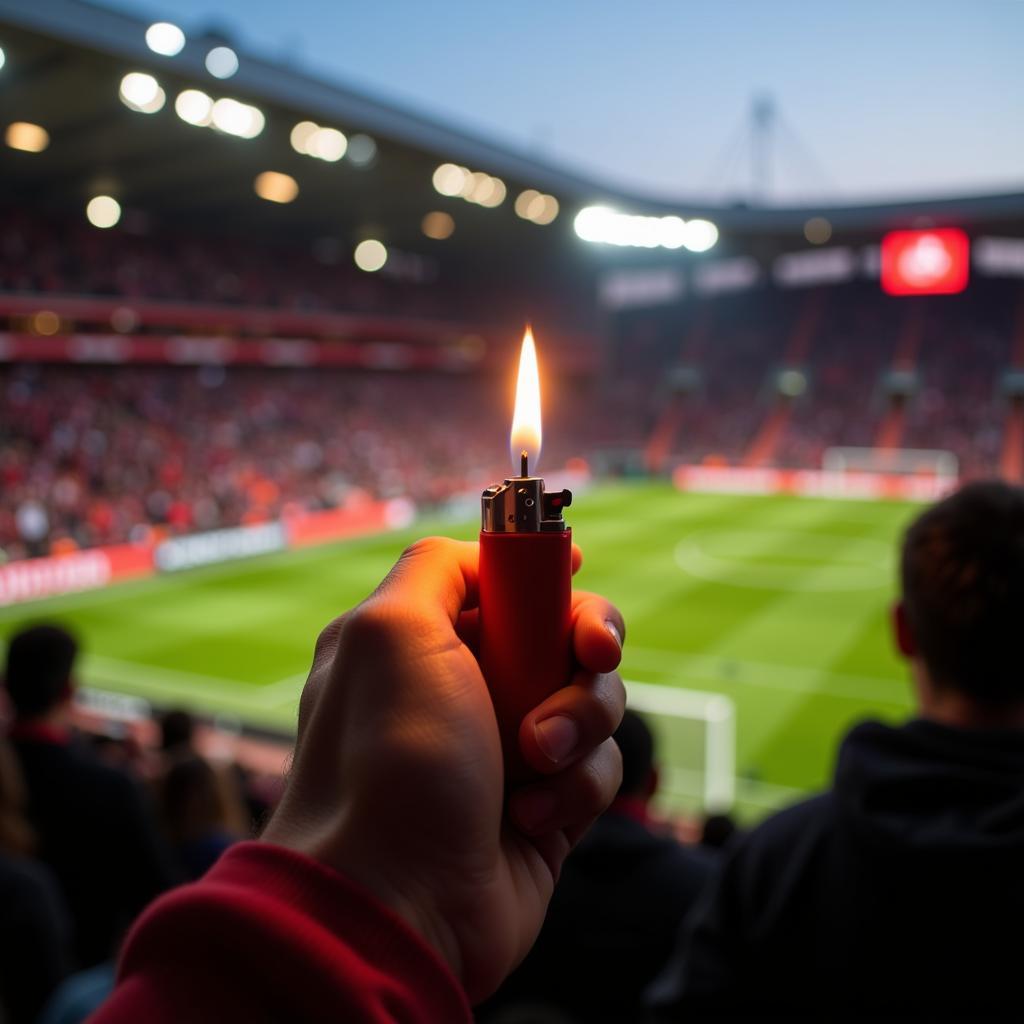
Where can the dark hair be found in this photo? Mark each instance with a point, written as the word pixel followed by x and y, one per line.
pixel 963 590
pixel 38 670
pixel 176 727
pixel 636 742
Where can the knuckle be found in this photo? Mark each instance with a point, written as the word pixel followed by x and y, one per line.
pixel 368 624
pixel 609 704
pixel 327 639
pixel 425 545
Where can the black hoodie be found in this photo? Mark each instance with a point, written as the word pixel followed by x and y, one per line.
pixel 898 893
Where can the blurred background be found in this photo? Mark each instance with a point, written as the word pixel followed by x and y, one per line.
pixel 265 268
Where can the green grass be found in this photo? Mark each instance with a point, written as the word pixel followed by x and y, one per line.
pixel 779 603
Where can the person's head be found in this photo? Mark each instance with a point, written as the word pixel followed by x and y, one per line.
pixel 39 674
pixel 176 728
pixel 191 800
pixel 959 617
pixel 636 743
pixel 718 831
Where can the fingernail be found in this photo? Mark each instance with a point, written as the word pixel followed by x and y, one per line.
pixel 532 810
pixel 614 630
pixel 557 737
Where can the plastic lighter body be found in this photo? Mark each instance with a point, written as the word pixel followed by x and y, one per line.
pixel 525 640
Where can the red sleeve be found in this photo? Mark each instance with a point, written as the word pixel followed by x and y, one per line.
pixel 271 935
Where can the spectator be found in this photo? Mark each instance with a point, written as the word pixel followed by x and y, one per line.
pixel 616 912
pixel 718 831
pixel 202 812
pixel 33 924
pixel 177 730
pixel 898 890
pixel 398 879
pixel 96 831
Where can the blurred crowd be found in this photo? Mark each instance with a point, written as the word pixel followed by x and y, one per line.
pixel 721 361
pixel 91 457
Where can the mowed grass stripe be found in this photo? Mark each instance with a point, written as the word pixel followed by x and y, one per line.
pixel 252 624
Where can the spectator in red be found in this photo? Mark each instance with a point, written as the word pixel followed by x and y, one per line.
pixel 397 879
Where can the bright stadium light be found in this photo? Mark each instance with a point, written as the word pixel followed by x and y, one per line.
pixel 601 224
pixel 27 137
pixel 3 57
pixel 301 134
pixel 164 38
pixel 327 144
pixel 701 235
pixel 276 187
pixel 103 211
pixel 194 107
pixel 536 207
pixel 235 118
pixel 672 232
pixel 438 225
pixel 362 150
pixel 142 92
pixel 370 255
pixel 222 62
pixel 450 179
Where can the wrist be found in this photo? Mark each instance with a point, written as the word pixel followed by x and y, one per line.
pixel 415 909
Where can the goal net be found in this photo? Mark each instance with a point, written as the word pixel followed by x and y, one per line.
pixel 695 744
pixel 922 474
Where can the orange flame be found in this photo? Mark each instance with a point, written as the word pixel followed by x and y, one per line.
pixel 526 421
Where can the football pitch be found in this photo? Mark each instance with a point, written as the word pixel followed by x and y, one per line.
pixel 780 603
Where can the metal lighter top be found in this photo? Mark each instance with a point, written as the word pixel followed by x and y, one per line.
pixel 521 505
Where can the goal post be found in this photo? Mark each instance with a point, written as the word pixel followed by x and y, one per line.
pixel 695 745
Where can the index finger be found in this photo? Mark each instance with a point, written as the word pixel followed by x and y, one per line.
pixel 434 573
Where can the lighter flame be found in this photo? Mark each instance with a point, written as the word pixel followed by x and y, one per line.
pixel 526 428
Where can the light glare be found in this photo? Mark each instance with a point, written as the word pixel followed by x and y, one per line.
pixel 27 137
pixel 301 134
pixel 194 107
pixel 164 38
pixel 370 255
pixel 362 150
pixel 239 119
pixel 449 179
pixel 103 211
pixel 701 235
pixel 601 224
pixel 141 92
pixel 222 62
pixel 438 225
pixel 276 187
pixel 328 144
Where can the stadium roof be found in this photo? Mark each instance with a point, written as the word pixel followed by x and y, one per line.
pixel 66 59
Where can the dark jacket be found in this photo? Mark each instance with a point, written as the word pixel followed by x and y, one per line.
pixel 98 836
pixel 611 925
pixel 33 938
pixel 899 891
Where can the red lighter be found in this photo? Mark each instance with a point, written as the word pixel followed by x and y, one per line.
pixel 525 643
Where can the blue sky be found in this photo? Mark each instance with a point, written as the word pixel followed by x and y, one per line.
pixel 877 99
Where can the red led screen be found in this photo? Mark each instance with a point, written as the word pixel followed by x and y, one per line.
pixel 925 262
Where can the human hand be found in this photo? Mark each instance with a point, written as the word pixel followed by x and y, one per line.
pixel 398 779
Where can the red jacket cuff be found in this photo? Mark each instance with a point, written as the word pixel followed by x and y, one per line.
pixel 270 934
